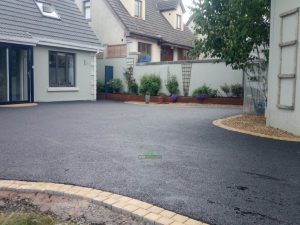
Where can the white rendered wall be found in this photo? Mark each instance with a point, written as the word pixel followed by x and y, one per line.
pixel 85 76
pixel 288 120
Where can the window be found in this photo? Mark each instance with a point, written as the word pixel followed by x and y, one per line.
pixel 61 69
pixel 145 52
pixel 47 10
pixel 87 9
pixel 178 26
pixel 183 54
pixel 138 5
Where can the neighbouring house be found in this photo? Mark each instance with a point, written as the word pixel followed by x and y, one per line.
pixel 283 110
pixel 153 29
pixel 47 52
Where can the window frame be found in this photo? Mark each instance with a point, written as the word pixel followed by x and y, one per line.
pixel 139 4
pixel 53 15
pixel 56 53
pixel 178 21
pixel 87 7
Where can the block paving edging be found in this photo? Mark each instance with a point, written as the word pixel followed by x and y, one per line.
pixel 143 211
pixel 219 123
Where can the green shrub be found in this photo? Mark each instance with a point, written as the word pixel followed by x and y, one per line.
pixel 150 84
pixel 237 90
pixel 172 85
pixel 116 85
pixel 133 88
pixel 100 87
pixel 226 89
pixel 205 90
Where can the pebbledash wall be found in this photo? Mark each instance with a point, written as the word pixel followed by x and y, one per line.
pixel 85 77
pixel 203 72
pixel 282 93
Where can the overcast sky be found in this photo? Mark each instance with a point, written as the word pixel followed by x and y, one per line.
pixel 187 3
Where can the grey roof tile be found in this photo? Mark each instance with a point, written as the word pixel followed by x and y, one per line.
pixel 154 25
pixel 22 17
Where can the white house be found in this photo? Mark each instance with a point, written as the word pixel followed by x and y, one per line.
pixel 154 28
pixel 47 52
pixel 283 109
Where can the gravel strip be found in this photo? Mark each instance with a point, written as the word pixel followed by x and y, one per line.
pixel 78 211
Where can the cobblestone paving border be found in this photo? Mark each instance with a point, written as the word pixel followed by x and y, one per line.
pixel 143 211
pixel 18 105
pixel 219 123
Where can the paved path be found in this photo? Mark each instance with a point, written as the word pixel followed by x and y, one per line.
pixel 207 173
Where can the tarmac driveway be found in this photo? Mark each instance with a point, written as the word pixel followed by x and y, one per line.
pixel 205 172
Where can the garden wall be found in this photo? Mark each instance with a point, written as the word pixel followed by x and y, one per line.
pixel 202 72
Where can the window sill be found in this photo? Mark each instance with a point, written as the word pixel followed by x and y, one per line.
pixel 63 89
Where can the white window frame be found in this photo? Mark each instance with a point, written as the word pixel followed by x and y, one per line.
pixel 178 21
pixel 53 15
pixel 139 4
pixel 87 7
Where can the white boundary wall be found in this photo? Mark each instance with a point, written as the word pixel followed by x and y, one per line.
pixel 203 72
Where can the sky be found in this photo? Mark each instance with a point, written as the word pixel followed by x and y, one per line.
pixel 187 3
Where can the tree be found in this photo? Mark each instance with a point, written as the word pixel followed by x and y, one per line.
pixel 234 31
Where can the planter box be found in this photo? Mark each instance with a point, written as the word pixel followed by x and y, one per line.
pixel 155 99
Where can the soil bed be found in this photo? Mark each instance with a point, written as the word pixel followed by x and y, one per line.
pixel 257 125
pixel 60 209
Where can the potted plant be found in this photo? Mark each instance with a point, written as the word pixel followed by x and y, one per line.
pixel 173 98
pixel 203 92
pixel 172 86
pixel 147 97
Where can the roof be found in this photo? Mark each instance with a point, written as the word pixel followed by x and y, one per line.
pixel 166 5
pixel 155 25
pixel 21 21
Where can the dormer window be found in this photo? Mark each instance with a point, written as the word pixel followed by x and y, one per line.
pixel 138 7
pixel 179 22
pixel 47 9
pixel 87 9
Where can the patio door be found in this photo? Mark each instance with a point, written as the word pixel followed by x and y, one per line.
pixel 15 74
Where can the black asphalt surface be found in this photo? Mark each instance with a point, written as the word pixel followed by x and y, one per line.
pixel 205 172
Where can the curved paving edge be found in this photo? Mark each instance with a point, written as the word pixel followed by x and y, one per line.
pixel 219 123
pixel 19 105
pixel 184 105
pixel 146 212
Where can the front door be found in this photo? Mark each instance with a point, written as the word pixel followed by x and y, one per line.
pixel 15 74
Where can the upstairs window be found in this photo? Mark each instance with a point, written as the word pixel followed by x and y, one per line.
pixel 179 22
pixel 138 7
pixel 87 9
pixel 47 9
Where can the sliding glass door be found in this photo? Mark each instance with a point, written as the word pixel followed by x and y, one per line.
pixel 15 74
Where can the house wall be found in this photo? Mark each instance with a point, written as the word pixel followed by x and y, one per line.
pixel 85 75
pixel 111 32
pixel 119 65
pixel 288 120
pixel 203 72
pixel 130 6
pixel 171 16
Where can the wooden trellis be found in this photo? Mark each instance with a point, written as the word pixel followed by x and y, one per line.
pixel 186 77
pixel 288 74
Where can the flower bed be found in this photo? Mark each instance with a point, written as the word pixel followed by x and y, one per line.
pixel 155 99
